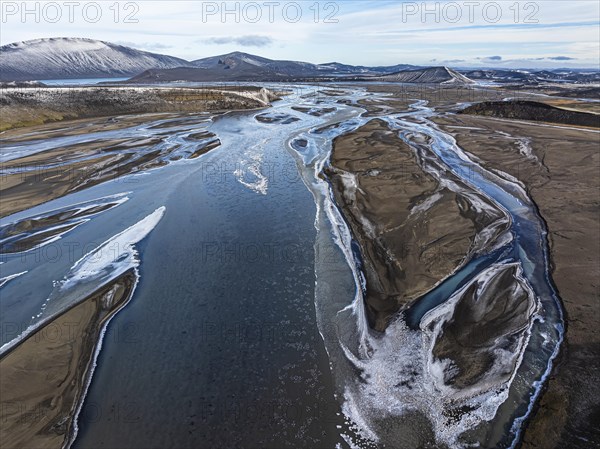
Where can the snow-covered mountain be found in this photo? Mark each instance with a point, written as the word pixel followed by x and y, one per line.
pixel 345 69
pixel 238 60
pixel 238 66
pixel 63 58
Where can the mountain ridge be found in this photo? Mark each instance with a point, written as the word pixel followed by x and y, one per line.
pixel 429 75
pixel 72 58
pixel 65 58
pixel 76 58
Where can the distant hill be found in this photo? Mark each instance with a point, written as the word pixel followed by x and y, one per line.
pixel 533 77
pixel 238 66
pixel 235 66
pixel 430 75
pixel 238 62
pixel 532 110
pixel 242 67
pixel 65 58
pixel 336 68
pixel 73 58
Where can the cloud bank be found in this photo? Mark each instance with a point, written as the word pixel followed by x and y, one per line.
pixel 244 41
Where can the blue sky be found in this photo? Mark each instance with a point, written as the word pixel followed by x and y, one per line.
pixel 542 34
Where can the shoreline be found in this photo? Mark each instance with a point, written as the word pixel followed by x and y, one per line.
pixel 26 107
pixel 535 429
pixel 366 168
pixel 36 178
pixel 555 180
pixel 48 418
pixel 359 195
pixel 57 424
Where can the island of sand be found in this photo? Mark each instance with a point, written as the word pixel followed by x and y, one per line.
pixel 44 377
pixel 384 194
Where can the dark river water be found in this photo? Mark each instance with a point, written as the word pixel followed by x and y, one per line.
pixel 226 351
pixel 246 327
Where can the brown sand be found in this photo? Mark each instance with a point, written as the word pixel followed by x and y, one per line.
pixel 107 159
pixel 80 126
pixel 563 178
pixel 405 253
pixel 104 160
pixel 43 378
pixel 26 234
pixel 485 319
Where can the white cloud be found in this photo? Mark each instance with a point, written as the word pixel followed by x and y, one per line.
pixel 244 41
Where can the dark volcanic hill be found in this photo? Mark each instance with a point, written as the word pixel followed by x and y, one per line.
pixel 532 110
pixel 64 58
pixel 239 61
pixel 345 69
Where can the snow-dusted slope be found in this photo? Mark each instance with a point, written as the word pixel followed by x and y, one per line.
pixel 246 63
pixel 61 58
pixel 431 75
pixel 238 66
